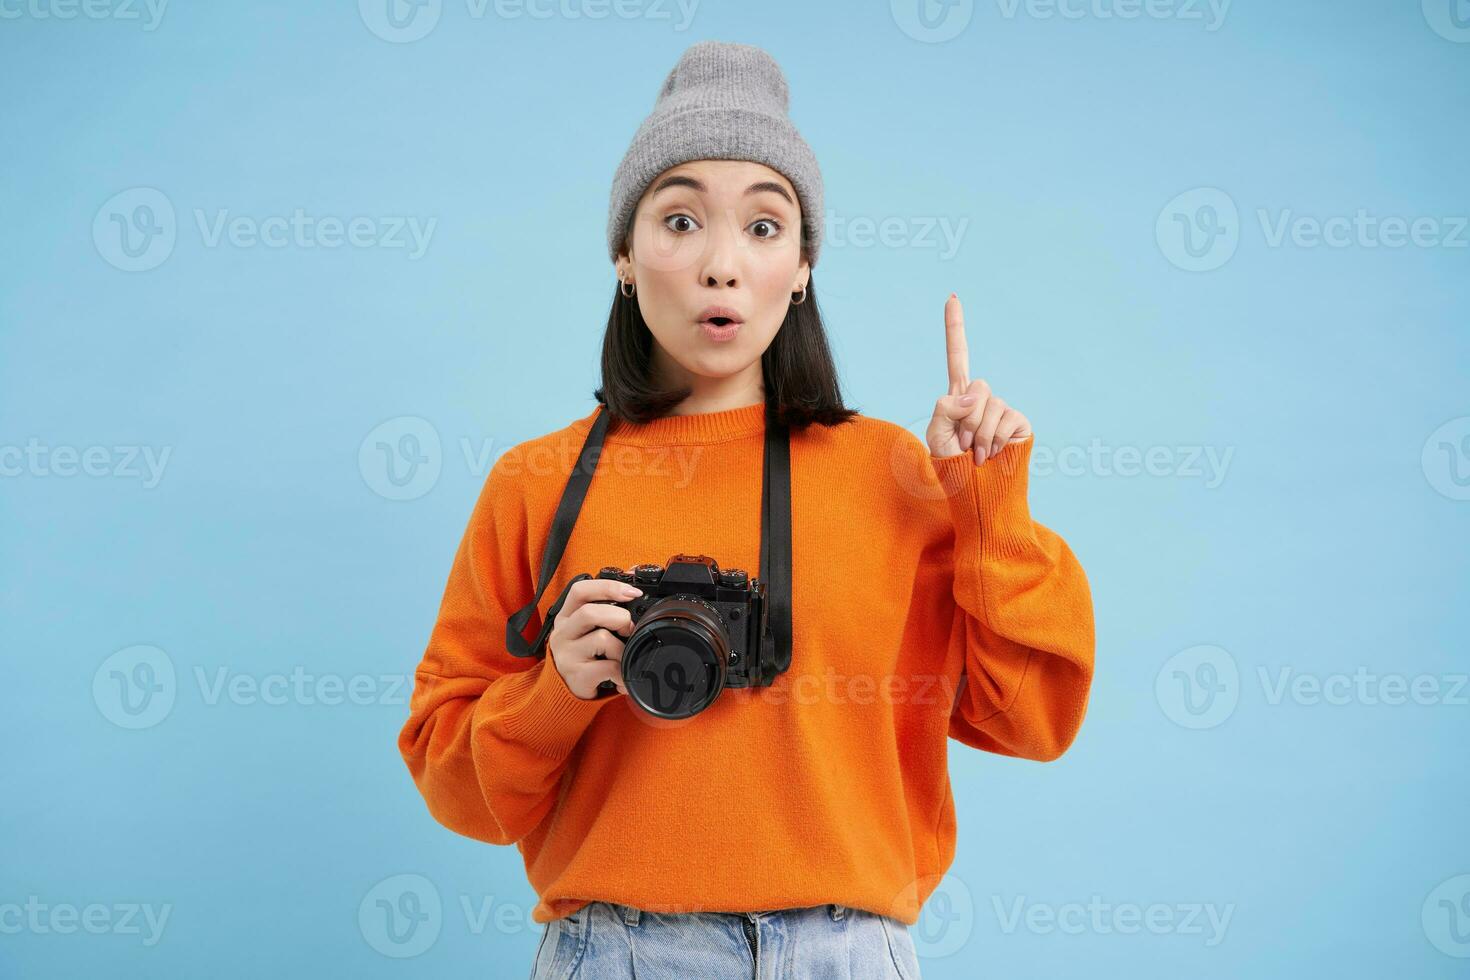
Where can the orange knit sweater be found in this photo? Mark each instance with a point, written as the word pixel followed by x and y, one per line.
pixel 926 605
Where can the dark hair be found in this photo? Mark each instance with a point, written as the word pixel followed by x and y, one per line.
pixel 800 379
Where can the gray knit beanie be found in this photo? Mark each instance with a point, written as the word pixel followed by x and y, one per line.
pixel 722 101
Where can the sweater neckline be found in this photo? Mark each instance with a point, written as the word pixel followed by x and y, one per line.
pixel 695 428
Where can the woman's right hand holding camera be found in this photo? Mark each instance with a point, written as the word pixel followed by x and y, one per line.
pixel 586 641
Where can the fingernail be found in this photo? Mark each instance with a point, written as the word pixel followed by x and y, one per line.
pixel 979 454
pixel 967 399
pixel 964 440
pixel 630 591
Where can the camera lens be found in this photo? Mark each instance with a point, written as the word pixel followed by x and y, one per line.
pixel 674 663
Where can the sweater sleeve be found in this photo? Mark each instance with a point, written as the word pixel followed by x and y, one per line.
pixel 489 733
pixel 1025 610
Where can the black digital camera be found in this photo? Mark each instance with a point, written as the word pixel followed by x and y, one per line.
pixel 697 629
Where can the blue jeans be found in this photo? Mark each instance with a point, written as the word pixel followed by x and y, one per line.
pixel 608 941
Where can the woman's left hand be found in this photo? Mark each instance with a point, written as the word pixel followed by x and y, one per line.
pixel 970 416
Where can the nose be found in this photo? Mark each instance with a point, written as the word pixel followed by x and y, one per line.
pixel 719 263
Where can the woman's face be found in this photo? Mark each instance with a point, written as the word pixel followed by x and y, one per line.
pixel 714 233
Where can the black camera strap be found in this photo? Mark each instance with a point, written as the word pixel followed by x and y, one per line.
pixel 775 556
pixel 775 560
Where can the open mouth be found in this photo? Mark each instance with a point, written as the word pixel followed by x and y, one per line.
pixel 720 318
pixel 720 328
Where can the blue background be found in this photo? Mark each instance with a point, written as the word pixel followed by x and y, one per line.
pixel 1333 541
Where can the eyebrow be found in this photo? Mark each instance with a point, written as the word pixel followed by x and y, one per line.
pixel 680 180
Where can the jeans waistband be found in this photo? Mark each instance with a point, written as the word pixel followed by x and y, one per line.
pixel 633 916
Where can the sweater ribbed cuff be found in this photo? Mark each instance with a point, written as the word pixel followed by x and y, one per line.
pixel 540 711
pixel 989 499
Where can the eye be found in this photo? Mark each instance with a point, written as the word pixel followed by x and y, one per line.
pixel 692 224
pixel 775 226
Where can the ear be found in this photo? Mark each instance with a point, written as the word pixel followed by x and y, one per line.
pixel 803 273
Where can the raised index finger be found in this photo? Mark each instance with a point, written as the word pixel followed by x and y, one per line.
pixel 954 342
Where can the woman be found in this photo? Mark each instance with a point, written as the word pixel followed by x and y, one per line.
pixel 796 827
